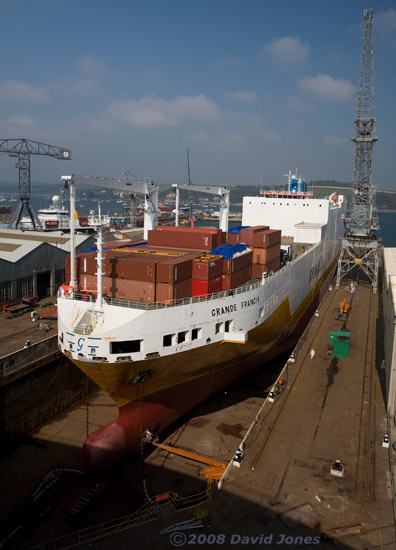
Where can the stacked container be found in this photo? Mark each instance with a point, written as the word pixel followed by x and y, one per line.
pixel 207 275
pixel 237 270
pixel 174 278
pixel 266 252
pixel 175 264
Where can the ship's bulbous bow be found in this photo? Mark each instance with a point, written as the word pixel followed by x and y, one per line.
pixel 105 447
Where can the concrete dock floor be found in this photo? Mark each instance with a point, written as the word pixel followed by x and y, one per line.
pixel 283 495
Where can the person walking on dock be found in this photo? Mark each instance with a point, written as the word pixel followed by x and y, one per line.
pixel 312 353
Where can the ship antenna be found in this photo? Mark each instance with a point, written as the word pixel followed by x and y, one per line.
pixel 188 166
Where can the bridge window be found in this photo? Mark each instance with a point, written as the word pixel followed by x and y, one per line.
pixel 181 337
pixel 195 334
pixel 218 328
pixel 227 326
pixel 128 346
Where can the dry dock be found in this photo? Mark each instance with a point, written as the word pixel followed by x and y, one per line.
pixel 282 496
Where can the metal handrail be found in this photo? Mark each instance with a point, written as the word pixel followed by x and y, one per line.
pixel 162 305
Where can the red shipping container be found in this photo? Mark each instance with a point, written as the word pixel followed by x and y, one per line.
pixel 237 278
pixel 137 291
pixel 167 293
pixel 266 255
pixel 87 263
pixel 200 287
pixel 273 266
pixel 87 282
pixel 154 251
pixel 265 239
pixel 246 234
pixel 207 267
pixel 175 252
pixel 173 270
pixel 201 229
pixel 123 244
pixel 67 267
pixel 259 269
pixel 136 267
pixel 233 238
pixel 238 262
pixel 193 238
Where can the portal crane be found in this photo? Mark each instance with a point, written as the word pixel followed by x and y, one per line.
pixel 359 247
pixel 23 148
pixel 149 189
pixel 223 192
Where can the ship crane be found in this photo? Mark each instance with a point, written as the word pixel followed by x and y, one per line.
pixel 223 192
pixel 22 149
pixel 359 246
pixel 149 189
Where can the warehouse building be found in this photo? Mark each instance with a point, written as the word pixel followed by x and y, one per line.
pixel 32 263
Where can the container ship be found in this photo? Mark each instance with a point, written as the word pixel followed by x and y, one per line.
pixel 164 323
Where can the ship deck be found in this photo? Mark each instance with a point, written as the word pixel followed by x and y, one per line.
pixel 330 410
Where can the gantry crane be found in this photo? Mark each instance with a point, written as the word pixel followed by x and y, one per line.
pixel 359 247
pixel 22 149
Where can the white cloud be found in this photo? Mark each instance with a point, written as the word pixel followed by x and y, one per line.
pixel 22 92
pixel 296 104
pixel 92 66
pixel 152 112
pixel 326 87
pixel 244 97
pixel 287 50
pixel 69 86
pixel 21 125
pixel 335 141
pixel 198 106
pixel 386 20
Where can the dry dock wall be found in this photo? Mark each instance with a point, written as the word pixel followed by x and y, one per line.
pixel 389 312
pixel 36 383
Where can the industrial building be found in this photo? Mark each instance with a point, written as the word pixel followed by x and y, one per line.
pixel 32 263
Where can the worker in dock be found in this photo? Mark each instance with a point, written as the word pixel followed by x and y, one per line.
pixel 312 353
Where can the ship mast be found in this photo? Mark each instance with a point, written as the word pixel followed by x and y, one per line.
pixel 98 222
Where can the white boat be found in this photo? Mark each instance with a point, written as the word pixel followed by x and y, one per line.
pixel 159 360
pixel 54 218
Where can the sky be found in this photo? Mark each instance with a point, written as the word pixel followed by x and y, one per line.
pixel 253 88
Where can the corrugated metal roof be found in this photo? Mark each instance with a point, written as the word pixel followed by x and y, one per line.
pixel 15 243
